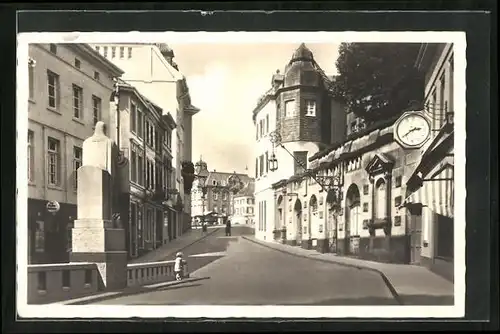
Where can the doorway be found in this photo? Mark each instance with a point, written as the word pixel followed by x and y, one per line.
pixel 298 221
pixel 352 218
pixel 414 215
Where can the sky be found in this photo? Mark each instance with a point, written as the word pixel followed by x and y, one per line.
pixel 225 82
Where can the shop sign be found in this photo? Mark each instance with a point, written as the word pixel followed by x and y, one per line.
pixel 53 206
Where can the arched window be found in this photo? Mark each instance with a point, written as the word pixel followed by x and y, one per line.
pixel 380 204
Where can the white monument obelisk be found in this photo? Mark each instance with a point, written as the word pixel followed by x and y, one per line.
pixel 95 238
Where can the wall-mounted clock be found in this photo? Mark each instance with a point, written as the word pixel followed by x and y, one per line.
pixel 412 130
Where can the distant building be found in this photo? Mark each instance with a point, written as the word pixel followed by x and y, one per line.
pixel 151 69
pixel 145 137
pixel 218 196
pixel 300 108
pixel 70 86
pixel 244 205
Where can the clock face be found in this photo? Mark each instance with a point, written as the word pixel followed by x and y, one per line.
pixel 413 130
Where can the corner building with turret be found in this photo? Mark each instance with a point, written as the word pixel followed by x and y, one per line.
pixel 299 110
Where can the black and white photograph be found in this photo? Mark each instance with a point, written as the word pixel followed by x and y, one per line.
pixel 241 174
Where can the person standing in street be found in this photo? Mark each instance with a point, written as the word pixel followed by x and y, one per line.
pixel 228 228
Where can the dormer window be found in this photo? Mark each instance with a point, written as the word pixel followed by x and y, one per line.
pixel 214 182
pixel 310 108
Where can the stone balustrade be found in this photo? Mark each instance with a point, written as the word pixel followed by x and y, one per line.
pixel 48 283
pixel 54 282
pixel 152 272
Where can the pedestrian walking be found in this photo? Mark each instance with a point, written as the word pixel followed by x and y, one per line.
pixel 179 266
pixel 204 227
pixel 228 228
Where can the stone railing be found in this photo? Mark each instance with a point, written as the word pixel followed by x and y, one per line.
pixel 139 274
pixel 62 281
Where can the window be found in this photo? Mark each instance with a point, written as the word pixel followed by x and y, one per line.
pixel 122 52
pixel 140 170
pixel 365 207
pixel 444 244
pixel 365 189
pixel 215 197
pixel 31 79
pixel 140 125
pixel 267 162
pixel 289 108
pixel 451 75
pixel 249 210
pixel 77 101
pixel 216 209
pixel 261 165
pixel 133 118
pixel 54 161
pixel 168 138
pixel 256 167
pixel 97 75
pixel 300 161
pixel 31 157
pixel 442 102
pixel 129 53
pixel 105 53
pixel 261 125
pixel 433 109
pixel 96 109
pixel 133 166
pixel 113 52
pixel 310 108
pixel 40 237
pixel 267 123
pixel 78 64
pixel 53 89
pixel 380 199
pixel 224 196
pixel 53 48
pixel 77 163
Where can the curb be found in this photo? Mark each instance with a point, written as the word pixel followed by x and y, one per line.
pixel 183 247
pixel 391 288
pixel 129 292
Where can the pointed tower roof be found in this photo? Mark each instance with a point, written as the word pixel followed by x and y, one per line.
pixel 302 53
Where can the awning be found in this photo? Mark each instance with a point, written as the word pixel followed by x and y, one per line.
pixel 437 192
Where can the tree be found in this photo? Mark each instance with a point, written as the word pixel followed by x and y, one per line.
pixel 378 80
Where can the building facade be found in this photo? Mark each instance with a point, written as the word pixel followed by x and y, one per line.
pixel 430 188
pixel 70 86
pixel 243 206
pixel 300 109
pixel 216 199
pixel 145 138
pixel 389 203
pixel 151 69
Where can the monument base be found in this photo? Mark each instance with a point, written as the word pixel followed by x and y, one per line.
pixel 112 267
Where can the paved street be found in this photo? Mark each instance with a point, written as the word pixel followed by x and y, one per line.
pixel 237 271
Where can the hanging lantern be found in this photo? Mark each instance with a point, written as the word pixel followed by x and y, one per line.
pixel 273 163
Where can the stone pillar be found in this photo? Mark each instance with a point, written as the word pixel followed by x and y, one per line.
pixel 95 239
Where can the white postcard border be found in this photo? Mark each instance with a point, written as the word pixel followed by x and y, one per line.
pixel 215 311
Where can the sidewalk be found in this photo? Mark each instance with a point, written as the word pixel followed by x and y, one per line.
pixel 410 284
pixel 167 251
